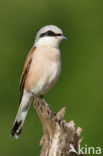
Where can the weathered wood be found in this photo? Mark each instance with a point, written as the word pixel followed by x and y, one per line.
pixel 60 138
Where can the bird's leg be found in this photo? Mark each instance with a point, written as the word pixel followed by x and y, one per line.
pixel 37 102
pixel 42 99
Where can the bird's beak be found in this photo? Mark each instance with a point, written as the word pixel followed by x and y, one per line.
pixel 63 37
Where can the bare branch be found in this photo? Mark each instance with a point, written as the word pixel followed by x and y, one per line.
pixel 60 138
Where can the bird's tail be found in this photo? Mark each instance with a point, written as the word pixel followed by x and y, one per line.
pixel 18 123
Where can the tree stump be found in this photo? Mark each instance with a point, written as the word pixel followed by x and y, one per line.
pixel 60 138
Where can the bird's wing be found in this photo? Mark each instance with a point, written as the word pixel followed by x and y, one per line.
pixel 25 72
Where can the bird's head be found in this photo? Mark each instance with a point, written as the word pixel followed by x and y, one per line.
pixel 49 35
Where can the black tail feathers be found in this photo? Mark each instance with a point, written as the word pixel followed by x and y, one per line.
pixel 16 130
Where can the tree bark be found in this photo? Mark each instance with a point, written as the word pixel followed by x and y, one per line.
pixel 60 138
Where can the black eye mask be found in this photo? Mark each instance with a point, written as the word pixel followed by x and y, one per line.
pixel 50 33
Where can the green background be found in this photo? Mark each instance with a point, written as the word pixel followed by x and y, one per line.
pixel 80 86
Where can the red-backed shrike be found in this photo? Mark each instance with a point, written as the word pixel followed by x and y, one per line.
pixel 41 70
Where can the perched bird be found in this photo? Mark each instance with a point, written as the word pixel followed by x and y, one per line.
pixel 41 70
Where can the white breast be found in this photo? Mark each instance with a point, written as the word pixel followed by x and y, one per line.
pixel 51 73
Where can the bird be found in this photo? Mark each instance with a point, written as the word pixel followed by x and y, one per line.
pixel 41 71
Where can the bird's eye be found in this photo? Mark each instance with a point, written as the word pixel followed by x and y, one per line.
pixel 50 33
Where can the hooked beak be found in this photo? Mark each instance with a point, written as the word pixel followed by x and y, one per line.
pixel 63 37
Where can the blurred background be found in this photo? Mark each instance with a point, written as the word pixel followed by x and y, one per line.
pixel 80 86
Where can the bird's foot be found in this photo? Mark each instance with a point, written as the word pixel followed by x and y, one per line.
pixel 43 100
pixel 38 102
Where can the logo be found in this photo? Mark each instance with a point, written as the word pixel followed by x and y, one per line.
pixel 86 150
